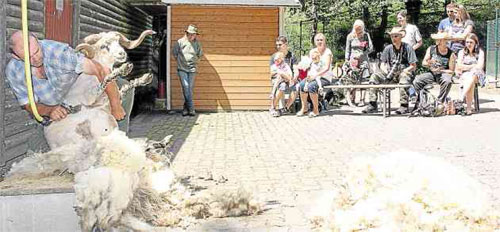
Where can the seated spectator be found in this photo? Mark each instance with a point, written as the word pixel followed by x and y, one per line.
pixel 291 60
pixel 446 23
pixel 461 27
pixel 281 74
pixel 398 63
pixel 302 71
pixel 441 62
pixel 358 46
pixel 470 69
pixel 311 85
pixel 325 60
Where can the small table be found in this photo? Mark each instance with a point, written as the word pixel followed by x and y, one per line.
pixel 384 88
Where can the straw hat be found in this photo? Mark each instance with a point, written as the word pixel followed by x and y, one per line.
pixel 397 30
pixel 440 35
pixel 192 29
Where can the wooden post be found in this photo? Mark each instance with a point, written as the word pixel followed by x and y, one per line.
pixel 413 9
pixel 76 23
pixel 3 54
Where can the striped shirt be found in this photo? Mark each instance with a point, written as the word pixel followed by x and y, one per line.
pixel 62 66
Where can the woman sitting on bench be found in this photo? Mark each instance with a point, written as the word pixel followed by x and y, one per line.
pixel 321 67
pixel 470 69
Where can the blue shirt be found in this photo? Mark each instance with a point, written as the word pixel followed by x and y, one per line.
pixel 62 66
pixel 444 24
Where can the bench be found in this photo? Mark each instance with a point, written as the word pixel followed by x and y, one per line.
pixel 384 88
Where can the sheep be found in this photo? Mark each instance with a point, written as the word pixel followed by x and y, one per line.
pixel 118 184
pixel 114 174
pixel 105 48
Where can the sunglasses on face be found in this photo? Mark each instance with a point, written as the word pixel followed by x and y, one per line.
pixel 395 36
pixel 279 45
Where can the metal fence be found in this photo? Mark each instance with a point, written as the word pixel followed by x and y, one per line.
pixel 300 36
pixel 493 48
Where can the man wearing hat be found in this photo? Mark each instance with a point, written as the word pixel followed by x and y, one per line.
pixel 441 62
pixel 187 51
pixel 398 62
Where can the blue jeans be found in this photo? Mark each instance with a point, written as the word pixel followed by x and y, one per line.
pixel 187 83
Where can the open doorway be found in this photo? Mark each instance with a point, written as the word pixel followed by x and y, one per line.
pixel 153 96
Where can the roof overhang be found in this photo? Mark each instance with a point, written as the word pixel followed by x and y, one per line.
pixel 288 3
pixel 151 7
pixel 159 7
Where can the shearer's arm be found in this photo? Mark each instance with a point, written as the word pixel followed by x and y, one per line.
pixel 92 67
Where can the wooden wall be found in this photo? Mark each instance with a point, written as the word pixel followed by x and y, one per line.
pixel 18 131
pixel 117 15
pixel 237 43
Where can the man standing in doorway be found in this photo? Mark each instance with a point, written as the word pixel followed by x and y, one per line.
pixel 187 51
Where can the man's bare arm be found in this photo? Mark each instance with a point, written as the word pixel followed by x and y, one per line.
pixel 92 67
pixel 55 113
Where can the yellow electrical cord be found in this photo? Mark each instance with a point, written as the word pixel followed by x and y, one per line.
pixel 27 64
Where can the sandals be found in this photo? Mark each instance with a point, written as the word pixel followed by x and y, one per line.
pixel 301 113
pixel 312 115
pixel 464 113
pixel 275 113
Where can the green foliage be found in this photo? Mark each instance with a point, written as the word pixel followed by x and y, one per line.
pixel 335 18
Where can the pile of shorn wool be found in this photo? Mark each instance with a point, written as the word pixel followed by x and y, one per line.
pixel 405 191
pixel 119 184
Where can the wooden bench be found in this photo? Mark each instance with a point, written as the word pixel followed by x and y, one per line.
pixel 385 89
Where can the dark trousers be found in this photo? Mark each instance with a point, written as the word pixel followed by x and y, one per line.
pixel 444 81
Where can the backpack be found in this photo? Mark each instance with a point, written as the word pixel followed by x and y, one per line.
pixel 428 105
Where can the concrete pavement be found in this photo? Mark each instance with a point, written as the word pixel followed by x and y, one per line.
pixel 289 161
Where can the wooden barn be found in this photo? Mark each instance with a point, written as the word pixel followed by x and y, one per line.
pixel 70 22
pixel 237 36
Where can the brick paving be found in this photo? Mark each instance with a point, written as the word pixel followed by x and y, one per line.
pixel 289 161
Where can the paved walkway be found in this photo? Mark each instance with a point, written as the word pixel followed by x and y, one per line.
pixel 288 161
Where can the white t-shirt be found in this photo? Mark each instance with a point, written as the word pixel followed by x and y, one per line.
pixel 412 35
pixel 325 57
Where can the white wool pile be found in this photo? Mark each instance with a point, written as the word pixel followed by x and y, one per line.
pixel 406 191
pixel 118 187
pixel 180 207
pixel 119 151
pixel 113 150
pixel 73 157
pixel 102 194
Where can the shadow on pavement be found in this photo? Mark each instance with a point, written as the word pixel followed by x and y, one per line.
pixel 158 124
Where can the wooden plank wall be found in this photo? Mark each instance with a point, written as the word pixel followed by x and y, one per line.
pixel 19 132
pixel 237 42
pixel 117 15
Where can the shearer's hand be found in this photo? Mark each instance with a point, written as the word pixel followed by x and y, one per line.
pixel 118 112
pixel 58 113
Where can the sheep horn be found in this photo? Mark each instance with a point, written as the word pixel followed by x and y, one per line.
pixel 92 39
pixel 87 49
pixel 133 44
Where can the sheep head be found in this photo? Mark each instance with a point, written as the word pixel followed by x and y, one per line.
pixel 108 47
